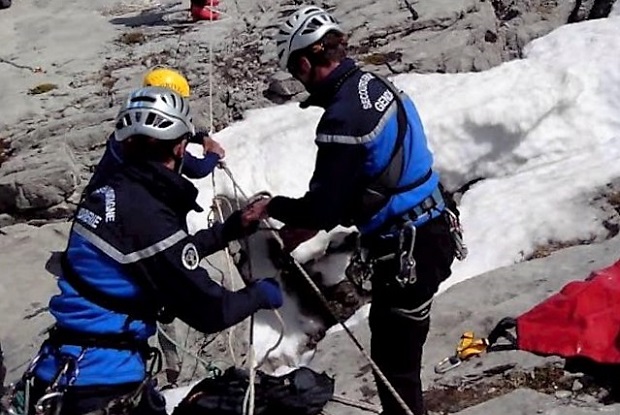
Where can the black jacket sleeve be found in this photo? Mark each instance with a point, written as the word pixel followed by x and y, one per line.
pixel 216 237
pixel 192 296
pixel 333 192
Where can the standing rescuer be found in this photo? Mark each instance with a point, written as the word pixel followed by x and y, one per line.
pixel 373 170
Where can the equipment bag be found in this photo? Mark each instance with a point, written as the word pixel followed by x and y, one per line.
pixel 582 320
pixel 300 392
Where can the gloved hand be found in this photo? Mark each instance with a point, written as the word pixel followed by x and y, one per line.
pixel 271 293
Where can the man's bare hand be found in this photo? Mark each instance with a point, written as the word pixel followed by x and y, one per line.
pixel 210 145
pixel 256 211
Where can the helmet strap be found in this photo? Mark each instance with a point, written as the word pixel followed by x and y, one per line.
pixel 178 164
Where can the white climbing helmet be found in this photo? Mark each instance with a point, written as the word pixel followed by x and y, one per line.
pixel 303 28
pixel 155 112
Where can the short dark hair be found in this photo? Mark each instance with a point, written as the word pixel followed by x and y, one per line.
pixel 331 48
pixel 144 148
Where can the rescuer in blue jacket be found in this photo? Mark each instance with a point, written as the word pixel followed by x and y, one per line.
pixel 131 262
pixel 373 170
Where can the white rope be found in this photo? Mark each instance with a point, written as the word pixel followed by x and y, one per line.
pixel 211 79
pixel 218 207
pixel 249 397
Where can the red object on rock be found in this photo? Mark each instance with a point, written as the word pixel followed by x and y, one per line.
pixel 204 13
pixel 582 320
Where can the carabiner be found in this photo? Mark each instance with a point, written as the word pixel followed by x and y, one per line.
pixel 407 273
pixel 447 364
pixel 43 405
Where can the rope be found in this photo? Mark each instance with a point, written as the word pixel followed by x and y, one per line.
pixel 209 366
pixel 325 303
pixel 249 397
pixel 356 404
pixel 211 78
pixel 229 265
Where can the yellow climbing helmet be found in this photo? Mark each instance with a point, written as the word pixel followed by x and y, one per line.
pixel 167 78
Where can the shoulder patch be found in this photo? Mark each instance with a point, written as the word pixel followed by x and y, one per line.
pixel 362 90
pixel 189 257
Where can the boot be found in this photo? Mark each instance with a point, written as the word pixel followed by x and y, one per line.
pixel 204 13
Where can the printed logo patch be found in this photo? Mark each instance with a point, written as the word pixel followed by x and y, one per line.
pixel 189 257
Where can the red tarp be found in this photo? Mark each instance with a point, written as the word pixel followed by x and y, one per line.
pixel 583 320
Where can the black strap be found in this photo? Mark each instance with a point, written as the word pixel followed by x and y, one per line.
pixel 136 309
pixel 501 330
pixel 386 182
pixel 59 336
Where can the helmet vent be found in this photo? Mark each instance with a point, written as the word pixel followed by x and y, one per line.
pixel 165 124
pixel 150 118
pixel 142 98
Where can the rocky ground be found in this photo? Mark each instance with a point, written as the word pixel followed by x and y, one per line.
pixel 67 65
pixel 511 382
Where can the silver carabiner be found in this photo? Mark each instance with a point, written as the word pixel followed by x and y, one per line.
pixel 456 230
pixel 447 364
pixel 407 273
pixel 43 405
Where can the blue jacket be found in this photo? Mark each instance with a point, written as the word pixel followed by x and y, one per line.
pixel 356 137
pixel 129 240
pixel 193 167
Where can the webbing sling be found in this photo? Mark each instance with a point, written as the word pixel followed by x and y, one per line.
pixel 60 336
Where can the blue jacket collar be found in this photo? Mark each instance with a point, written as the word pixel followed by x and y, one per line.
pixel 322 94
pixel 170 187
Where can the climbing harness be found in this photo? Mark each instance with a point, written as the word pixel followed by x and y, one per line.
pixel 470 346
pixel 360 268
pixel 380 375
pixel 125 404
pixel 18 399
pixel 51 401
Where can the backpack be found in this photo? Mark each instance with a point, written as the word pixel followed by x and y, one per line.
pixel 300 392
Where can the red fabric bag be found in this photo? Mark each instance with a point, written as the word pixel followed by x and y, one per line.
pixel 582 320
